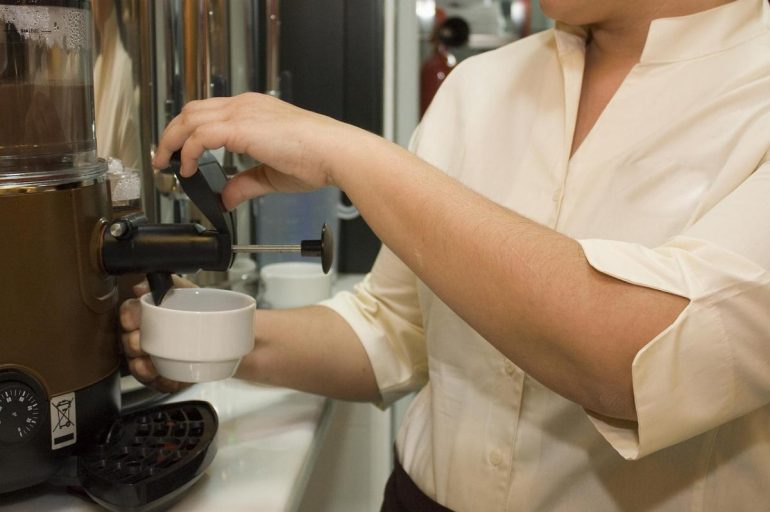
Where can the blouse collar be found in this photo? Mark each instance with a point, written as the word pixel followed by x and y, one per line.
pixel 688 37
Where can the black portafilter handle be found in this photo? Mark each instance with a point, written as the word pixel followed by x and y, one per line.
pixel 130 244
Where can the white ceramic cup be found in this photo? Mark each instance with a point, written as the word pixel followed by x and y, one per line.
pixel 198 334
pixel 293 284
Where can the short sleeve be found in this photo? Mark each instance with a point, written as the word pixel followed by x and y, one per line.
pixel 712 364
pixel 384 312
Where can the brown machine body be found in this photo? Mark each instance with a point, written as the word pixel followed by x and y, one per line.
pixel 59 309
pixel 58 314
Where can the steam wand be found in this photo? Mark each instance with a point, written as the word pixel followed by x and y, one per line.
pixel 323 248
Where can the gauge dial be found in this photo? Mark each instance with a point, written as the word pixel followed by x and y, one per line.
pixel 20 412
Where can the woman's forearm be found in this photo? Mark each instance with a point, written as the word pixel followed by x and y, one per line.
pixel 310 349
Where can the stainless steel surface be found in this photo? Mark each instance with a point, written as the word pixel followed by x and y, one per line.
pixel 124 80
pixel 206 48
pixel 194 46
pixel 195 49
pixel 266 248
pixel 118 229
pixel 168 52
pixel 148 108
pixel 247 68
pixel 196 60
pixel 273 17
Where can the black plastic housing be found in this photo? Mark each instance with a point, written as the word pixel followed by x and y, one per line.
pixel 131 245
pixel 169 248
pixel 149 458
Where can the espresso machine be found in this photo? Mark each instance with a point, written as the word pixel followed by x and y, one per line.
pixel 60 402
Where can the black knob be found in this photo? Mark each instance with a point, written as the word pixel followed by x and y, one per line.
pixel 323 248
pixel 21 414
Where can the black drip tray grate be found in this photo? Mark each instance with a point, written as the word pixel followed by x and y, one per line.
pixel 149 458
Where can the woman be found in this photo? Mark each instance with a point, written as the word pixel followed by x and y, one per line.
pixel 574 263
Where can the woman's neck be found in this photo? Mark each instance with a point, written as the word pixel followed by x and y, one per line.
pixel 621 37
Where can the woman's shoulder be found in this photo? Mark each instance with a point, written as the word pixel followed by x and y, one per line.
pixel 514 55
pixel 496 68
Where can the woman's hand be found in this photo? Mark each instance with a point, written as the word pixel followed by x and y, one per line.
pixel 138 361
pixel 294 146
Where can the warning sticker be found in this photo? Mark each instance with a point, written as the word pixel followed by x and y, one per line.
pixel 64 430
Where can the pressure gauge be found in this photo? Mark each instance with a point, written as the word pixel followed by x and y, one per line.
pixel 20 412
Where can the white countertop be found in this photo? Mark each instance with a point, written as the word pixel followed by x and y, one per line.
pixel 267 440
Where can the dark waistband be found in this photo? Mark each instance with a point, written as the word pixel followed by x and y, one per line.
pixel 403 495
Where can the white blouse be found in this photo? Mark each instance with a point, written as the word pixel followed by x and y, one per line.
pixel 670 190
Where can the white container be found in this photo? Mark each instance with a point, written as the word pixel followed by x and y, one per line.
pixel 293 284
pixel 242 275
pixel 198 334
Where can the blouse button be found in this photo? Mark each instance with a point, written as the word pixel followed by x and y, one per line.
pixel 495 458
pixel 509 368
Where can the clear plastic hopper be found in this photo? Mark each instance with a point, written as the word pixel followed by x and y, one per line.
pixel 46 93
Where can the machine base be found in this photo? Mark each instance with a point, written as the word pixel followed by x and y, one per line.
pixel 35 459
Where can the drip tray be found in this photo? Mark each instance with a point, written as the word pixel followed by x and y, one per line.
pixel 149 458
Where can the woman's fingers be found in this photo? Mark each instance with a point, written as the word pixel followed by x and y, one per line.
pixel 169 386
pixel 202 124
pixel 141 288
pixel 258 181
pixel 293 145
pixel 194 114
pixel 181 282
pixel 132 346
pixel 130 315
pixel 210 135
pixel 142 369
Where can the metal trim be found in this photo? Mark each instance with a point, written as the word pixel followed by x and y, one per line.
pixel 72 4
pixel 52 184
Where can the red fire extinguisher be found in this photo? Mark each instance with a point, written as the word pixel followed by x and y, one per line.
pixel 450 33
